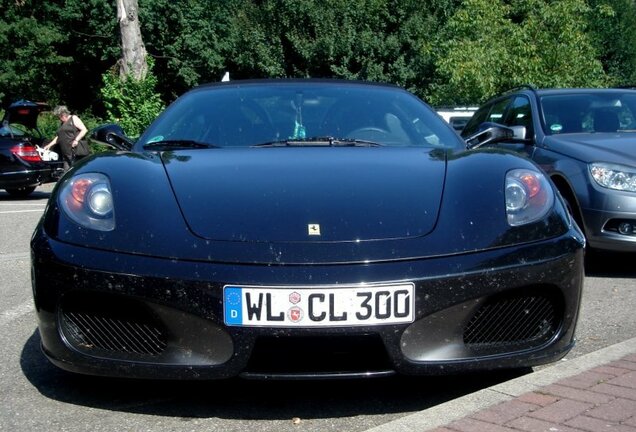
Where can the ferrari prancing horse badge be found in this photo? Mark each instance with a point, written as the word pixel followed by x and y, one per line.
pixel 313 229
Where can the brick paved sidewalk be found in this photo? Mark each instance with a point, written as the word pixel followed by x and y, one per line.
pixel 590 393
pixel 599 399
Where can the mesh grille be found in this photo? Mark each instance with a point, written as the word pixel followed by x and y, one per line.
pixel 90 331
pixel 525 320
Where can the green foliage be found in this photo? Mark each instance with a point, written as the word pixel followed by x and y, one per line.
pixel 197 41
pixel 560 45
pixel 489 46
pixel 373 40
pixel 130 102
pixel 30 55
pixel 48 124
pixel 452 51
pixel 471 52
pixel 188 40
pixel 92 39
pixel 613 30
pixel 52 45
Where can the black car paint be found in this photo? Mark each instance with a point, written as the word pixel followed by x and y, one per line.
pixel 194 304
pixel 455 231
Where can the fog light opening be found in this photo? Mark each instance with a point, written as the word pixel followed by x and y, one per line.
pixel 625 228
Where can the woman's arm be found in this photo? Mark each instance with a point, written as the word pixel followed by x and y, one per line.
pixel 77 122
pixel 51 143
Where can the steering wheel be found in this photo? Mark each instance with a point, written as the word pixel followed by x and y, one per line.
pixel 369 133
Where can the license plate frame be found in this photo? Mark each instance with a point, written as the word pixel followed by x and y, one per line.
pixel 318 306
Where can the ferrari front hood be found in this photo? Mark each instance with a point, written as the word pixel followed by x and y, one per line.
pixel 308 194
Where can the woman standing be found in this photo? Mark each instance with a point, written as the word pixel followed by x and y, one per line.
pixel 68 135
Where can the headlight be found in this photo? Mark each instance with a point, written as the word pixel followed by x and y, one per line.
pixel 529 196
pixel 617 177
pixel 87 200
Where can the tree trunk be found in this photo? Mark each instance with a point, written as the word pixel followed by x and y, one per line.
pixel 133 61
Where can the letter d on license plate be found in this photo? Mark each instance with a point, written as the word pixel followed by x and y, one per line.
pixel 336 306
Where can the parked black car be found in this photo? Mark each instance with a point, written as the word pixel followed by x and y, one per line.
pixel 585 139
pixel 303 229
pixel 21 166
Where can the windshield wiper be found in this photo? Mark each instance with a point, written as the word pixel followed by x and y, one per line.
pixel 320 141
pixel 176 145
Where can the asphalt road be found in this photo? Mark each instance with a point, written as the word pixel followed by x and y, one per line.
pixel 34 395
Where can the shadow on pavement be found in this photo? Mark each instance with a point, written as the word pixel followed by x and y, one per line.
pixel 36 195
pixel 610 264
pixel 250 400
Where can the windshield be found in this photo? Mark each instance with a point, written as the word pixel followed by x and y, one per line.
pixel 589 112
pixel 298 113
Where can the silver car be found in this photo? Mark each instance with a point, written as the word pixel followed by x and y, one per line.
pixel 585 139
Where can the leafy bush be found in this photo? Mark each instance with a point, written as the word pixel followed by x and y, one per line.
pixel 129 102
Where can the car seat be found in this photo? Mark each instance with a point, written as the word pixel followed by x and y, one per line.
pixel 606 120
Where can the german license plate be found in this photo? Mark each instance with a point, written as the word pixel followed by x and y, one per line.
pixel 337 306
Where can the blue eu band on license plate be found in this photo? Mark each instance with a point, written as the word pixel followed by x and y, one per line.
pixel 318 306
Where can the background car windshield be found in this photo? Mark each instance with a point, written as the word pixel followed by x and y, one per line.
pixel 248 115
pixel 589 112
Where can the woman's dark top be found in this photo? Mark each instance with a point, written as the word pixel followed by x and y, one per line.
pixel 66 133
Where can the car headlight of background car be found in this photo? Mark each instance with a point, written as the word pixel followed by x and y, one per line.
pixel 611 176
pixel 529 196
pixel 87 200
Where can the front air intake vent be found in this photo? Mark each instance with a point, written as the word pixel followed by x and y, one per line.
pixel 91 331
pixel 513 322
pixel 102 326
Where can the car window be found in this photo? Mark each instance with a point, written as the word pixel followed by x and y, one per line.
pixel 589 112
pixel 488 113
pixel 497 112
pixel 520 114
pixel 248 115
pixel 458 123
pixel 478 118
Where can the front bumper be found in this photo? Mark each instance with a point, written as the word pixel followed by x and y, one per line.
pixel 171 313
pixel 602 230
pixel 602 213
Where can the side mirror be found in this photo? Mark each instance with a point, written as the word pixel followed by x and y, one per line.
pixel 489 133
pixel 113 136
pixel 519 132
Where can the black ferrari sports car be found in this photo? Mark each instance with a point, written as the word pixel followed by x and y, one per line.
pixel 303 229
